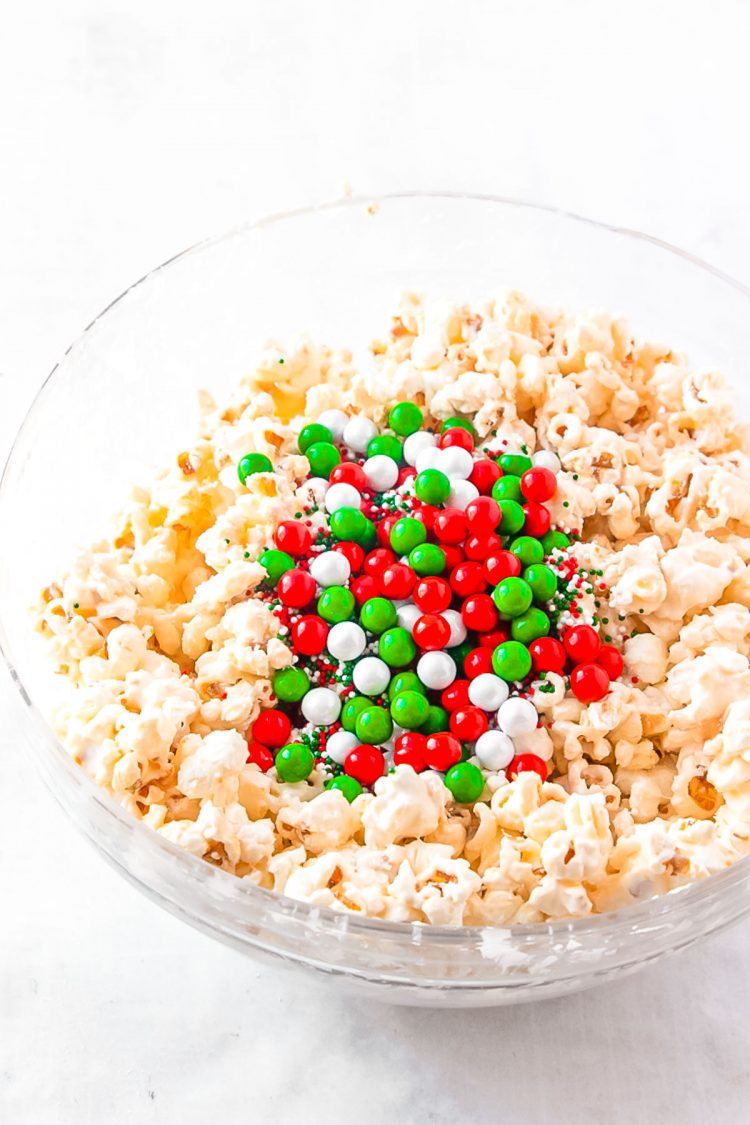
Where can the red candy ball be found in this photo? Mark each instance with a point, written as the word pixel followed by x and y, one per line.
pixel 468 578
pixel 349 473
pixel 457 435
pixel 397 581
pixel 309 636
pixel 260 755
pixel 273 728
pixel 365 764
pixel 501 564
pixel 454 556
pixel 431 632
pixel 449 525
pixel 406 474
pixel 364 587
pixel 426 515
pixel 384 530
pixel 432 595
pixel 582 643
pixel 478 612
pixel 456 695
pixel 296 588
pixel 538 484
pixel 409 751
pixel 441 751
pixel 611 661
pixel 484 474
pixel 353 553
pixel 379 560
pixel 547 655
pixel 478 547
pixel 495 637
pixel 538 519
pixel 482 515
pixel 468 723
pixel 294 537
pixel 477 661
pixel 589 682
pixel 525 763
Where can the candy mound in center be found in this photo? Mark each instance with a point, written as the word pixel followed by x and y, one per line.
pixel 424 610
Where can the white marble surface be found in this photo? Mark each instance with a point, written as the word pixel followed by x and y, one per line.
pixel 129 130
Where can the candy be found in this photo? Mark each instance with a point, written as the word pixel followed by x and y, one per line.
pixel 432 595
pixel 365 764
pixel 582 643
pixel 441 751
pixel 487 691
pixel 464 423
pixel 335 421
pixel 321 707
pixel 405 418
pixel 546 459
pixel 436 670
pixel 467 723
pixel 364 588
pixel 449 524
pixel 478 662
pixel 296 588
pixel 349 786
pixel 272 728
pixel 527 549
pixel 456 463
pixel 378 560
pixel 457 436
pixel 516 717
pixel 335 604
pixel 512 597
pixel 465 781
pixel 501 564
pixel 410 709
pixel 538 484
pixel 373 725
pixel 385 445
pixel 396 647
pixel 415 443
pixel 431 632
pixel 507 488
pixel 555 541
pixel 532 624
pixel 437 720
pixel 259 755
pixel 494 750
pixel 342 495
pixel 251 464
pixel 589 683
pixel 406 534
pixel 353 553
pixel 312 433
pixel 458 631
pixel 330 569
pixel 377 614
pixel 548 655
pixel 407 615
pixel 275 563
pixel 339 745
pixel 512 517
pixel 514 463
pixel 352 709
pixel 485 475
pixel 427 559
pixel 358 432
pixel 542 581
pixel 293 537
pixel 294 762
pixel 409 751
pixel 290 684
pixel 323 457
pixel 536 519
pixel 381 472
pixel 456 695
pixel 431 486
pixel 371 676
pixel 478 612
pixel 527 763
pixel 346 641
pixel 462 492
pixel 511 661
pixel 482 515
pixel 398 581
pixel 468 578
pixel 611 661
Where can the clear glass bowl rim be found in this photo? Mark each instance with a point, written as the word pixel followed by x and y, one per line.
pixel 681 900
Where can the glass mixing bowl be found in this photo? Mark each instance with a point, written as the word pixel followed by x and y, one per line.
pixel 121 402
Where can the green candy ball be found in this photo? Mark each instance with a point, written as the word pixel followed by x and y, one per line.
pixel 459 654
pixel 530 625
pixel 335 604
pixel 349 786
pixel 405 681
pixel 437 719
pixel 406 534
pixel 542 580
pixel 276 563
pixel 374 725
pixel 348 524
pixel 323 458
pixel 555 541
pixel 397 648
pixel 514 463
pixel 431 486
pixel 385 445
pixel 512 596
pixel 465 782
pixel 405 418
pixel 511 661
pixel 294 762
pixel 527 550
pixel 464 424
pixel 369 535
pixel 512 517
pixel 427 558
pixel 311 434
pixel 253 463
pixel 508 488
pixel 290 684
pixel 351 711
pixel 377 615
pixel 410 709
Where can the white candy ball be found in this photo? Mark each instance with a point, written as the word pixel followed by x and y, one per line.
pixel 321 706
pixel 427 458
pixel 381 472
pixel 346 640
pixel 494 750
pixel 546 459
pixel 342 496
pixel 461 493
pixel 488 691
pixel 517 716
pixel 407 615
pixel 335 420
pixel 415 443
pixel 357 433
pixel 455 462
pixel 330 569
pixel 458 629
pixel 371 676
pixel 340 744
pixel 436 670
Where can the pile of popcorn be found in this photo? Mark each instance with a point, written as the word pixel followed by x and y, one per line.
pixel 171 636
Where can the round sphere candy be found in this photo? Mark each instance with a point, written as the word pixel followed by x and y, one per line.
pixel 330 569
pixel 371 675
pixel 494 750
pixel 381 472
pixel 359 432
pixel 346 641
pixel 339 744
pixel 516 717
pixel 415 443
pixel 342 495
pixel 436 670
pixel 488 691
pixel 321 707
pixel 335 421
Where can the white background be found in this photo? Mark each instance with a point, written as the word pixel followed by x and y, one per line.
pixel 128 131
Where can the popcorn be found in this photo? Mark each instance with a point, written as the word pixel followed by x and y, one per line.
pixel 169 651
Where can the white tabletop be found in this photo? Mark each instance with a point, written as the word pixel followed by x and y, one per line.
pixel 131 130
